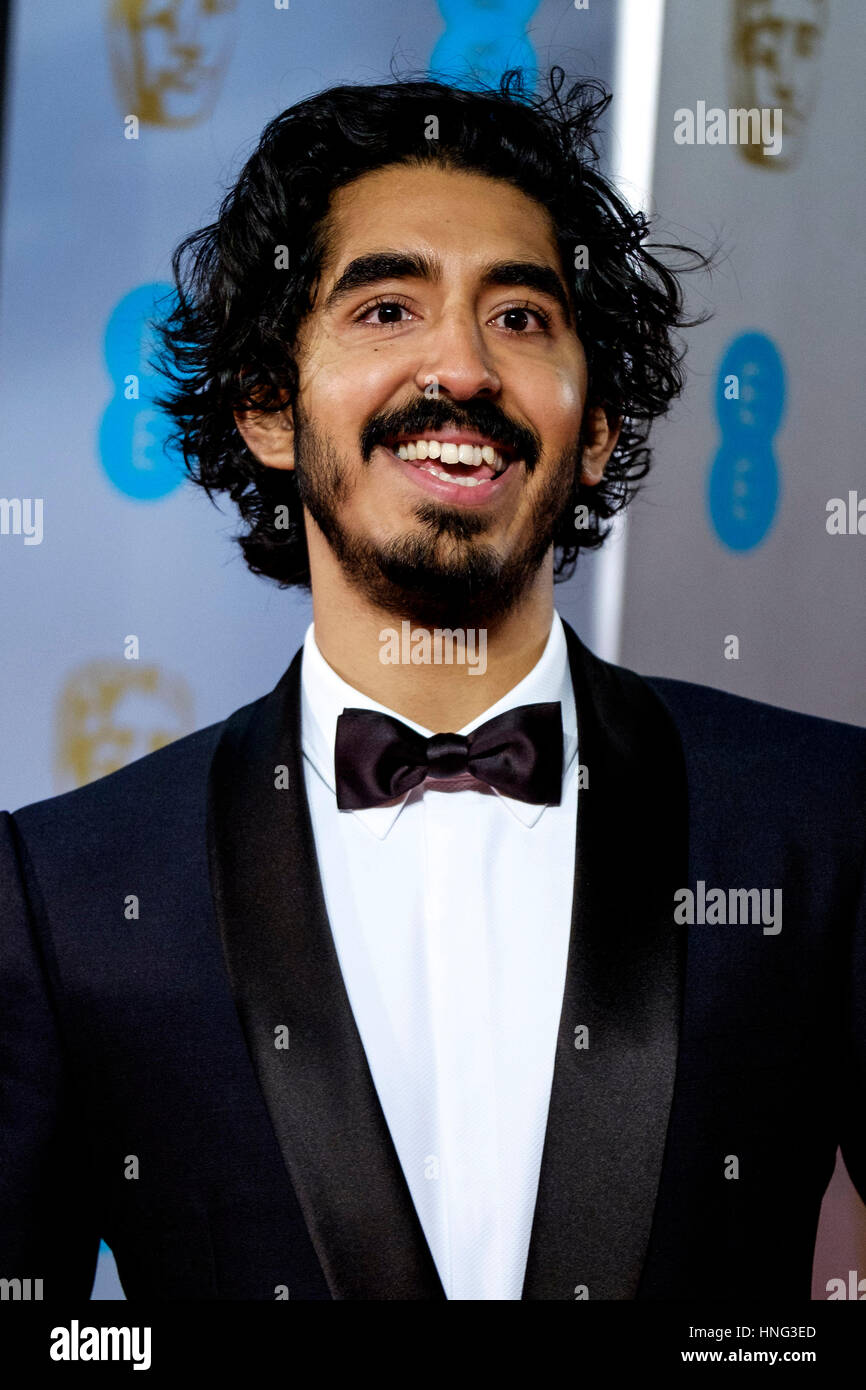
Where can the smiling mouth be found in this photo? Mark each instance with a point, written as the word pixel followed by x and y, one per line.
pixel 469 464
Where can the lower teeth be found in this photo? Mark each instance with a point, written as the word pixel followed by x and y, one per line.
pixel 430 467
pixel 447 478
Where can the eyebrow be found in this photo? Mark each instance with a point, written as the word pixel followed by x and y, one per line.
pixel 371 269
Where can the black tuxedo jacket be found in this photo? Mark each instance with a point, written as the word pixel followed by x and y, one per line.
pixel 160 926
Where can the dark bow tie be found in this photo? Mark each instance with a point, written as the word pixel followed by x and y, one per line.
pixel 378 758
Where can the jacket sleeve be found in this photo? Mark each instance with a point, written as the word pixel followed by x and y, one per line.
pixel 49 1228
pixel 853 1130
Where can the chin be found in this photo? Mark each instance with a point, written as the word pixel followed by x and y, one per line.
pixel 451 585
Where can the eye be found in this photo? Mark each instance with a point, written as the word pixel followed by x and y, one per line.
pixel 383 313
pixel 524 320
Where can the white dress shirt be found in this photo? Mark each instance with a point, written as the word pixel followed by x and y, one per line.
pixel 450 913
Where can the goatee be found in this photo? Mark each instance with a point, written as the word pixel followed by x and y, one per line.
pixel 440 575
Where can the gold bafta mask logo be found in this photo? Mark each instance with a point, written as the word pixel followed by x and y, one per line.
pixel 111 712
pixel 775 65
pixel 168 56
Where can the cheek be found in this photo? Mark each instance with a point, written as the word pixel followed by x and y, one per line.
pixel 341 391
pixel 554 403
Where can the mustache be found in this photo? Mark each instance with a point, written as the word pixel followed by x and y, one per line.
pixel 433 413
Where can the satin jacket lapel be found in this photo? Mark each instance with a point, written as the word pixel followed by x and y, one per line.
pixel 285 975
pixel 610 1100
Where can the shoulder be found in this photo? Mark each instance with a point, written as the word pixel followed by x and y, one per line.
pixel 716 719
pixel 756 760
pixel 714 724
pixel 140 812
pixel 163 793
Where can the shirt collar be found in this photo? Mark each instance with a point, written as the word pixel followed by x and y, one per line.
pixel 324 696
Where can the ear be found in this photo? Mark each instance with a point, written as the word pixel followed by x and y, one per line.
pixel 269 436
pixel 600 442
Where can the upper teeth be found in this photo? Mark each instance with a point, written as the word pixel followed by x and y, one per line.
pixel 472 454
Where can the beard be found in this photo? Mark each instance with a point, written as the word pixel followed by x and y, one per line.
pixel 439 574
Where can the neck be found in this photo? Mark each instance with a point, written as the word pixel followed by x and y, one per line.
pixel 371 650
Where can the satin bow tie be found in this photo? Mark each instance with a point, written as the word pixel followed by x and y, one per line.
pixel 378 758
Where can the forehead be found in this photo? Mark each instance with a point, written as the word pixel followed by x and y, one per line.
pixel 457 216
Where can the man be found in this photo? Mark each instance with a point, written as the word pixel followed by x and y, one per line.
pixel 463 964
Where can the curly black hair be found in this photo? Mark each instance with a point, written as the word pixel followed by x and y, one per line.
pixel 245 282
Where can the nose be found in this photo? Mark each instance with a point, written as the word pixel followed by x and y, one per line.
pixel 457 360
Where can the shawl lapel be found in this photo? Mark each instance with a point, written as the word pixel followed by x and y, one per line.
pixel 610 1101
pixel 285 973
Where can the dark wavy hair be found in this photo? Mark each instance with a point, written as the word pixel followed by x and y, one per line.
pixel 228 342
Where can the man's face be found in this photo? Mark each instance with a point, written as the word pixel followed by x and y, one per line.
pixel 441 325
